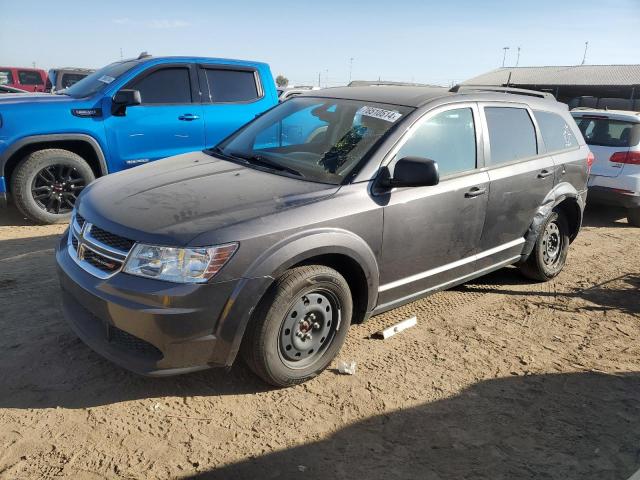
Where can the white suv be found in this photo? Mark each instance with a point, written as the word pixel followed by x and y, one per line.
pixel 614 138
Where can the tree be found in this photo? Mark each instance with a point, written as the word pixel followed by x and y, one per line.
pixel 282 81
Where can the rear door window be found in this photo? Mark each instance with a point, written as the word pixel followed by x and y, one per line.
pixel 512 135
pixel 165 86
pixel 27 77
pixel 231 86
pixel 6 77
pixel 449 138
pixel 556 133
pixel 606 132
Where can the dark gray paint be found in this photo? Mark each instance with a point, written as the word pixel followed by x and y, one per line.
pixel 408 242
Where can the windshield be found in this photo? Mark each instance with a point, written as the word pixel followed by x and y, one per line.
pixel 607 132
pixel 97 80
pixel 317 139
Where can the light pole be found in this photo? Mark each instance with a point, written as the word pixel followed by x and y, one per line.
pixel 350 68
pixel 584 57
pixel 504 55
pixel 518 57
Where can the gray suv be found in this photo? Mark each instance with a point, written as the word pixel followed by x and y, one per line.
pixel 327 209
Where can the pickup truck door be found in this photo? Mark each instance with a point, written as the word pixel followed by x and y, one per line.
pixel 431 234
pixel 167 122
pixel 232 96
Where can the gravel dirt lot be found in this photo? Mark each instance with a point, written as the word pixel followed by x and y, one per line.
pixel 501 379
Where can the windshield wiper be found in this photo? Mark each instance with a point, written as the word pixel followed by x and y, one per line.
pixel 262 161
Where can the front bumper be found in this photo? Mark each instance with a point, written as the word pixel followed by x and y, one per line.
pixel 615 197
pixel 153 327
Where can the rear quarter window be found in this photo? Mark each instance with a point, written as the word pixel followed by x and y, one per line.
pixel 512 135
pixel 556 132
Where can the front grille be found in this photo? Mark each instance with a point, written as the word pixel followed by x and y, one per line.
pixel 132 344
pixel 74 241
pixel 110 239
pixel 101 262
pixel 80 220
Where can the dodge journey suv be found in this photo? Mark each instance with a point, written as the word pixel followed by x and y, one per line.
pixel 331 207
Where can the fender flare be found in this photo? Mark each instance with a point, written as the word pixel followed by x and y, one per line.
pixel 557 195
pixel 56 137
pixel 282 256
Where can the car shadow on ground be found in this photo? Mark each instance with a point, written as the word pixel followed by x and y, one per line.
pixel 11 217
pixel 605 216
pixel 568 426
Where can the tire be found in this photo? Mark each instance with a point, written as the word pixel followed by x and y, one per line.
pixel 550 251
pixel 46 183
pixel 633 216
pixel 311 300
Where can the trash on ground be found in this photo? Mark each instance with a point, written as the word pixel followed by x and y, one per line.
pixel 398 327
pixel 347 368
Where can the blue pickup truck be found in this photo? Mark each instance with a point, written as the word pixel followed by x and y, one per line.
pixel 125 114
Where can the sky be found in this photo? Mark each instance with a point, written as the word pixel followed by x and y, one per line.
pixel 440 42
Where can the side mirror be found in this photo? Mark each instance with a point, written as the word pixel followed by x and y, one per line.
pixel 414 172
pixel 125 98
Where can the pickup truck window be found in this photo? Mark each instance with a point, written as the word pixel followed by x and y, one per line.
pixel 317 139
pixel 99 79
pixel 28 77
pixel 168 85
pixel 227 86
pixel 6 77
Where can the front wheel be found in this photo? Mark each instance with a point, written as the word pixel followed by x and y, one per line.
pixel 300 325
pixel 46 184
pixel 633 216
pixel 550 251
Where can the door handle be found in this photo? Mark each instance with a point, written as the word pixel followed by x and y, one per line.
pixel 475 192
pixel 544 174
pixel 188 117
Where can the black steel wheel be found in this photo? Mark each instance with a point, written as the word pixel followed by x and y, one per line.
pixel 299 326
pixel 550 250
pixel 308 328
pixel 46 184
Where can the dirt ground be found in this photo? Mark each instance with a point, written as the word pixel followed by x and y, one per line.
pixel 501 379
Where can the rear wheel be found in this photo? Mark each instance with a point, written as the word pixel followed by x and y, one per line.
pixel 300 325
pixel 550 251
pixel 46 184
pixel 633 216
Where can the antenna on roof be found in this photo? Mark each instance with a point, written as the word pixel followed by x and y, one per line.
pixel 144 54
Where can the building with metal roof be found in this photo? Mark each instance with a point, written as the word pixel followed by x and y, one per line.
pixel 615 82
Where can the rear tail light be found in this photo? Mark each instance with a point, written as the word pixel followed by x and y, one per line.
pixel 632 158
pixel 590 159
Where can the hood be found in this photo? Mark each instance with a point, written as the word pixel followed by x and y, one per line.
pixel 34 98
pixel 172 201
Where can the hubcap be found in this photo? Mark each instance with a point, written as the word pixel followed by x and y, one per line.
pixel 308 328
pixel 552 244
pixel 55 188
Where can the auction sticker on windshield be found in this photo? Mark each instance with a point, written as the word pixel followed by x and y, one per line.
pixel 381 113
pixel 106 79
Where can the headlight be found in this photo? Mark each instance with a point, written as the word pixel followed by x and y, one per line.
pixel 181 265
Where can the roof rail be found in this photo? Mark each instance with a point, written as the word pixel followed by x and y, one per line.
pixel 515 91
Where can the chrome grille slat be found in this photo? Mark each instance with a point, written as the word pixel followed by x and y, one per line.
pixel 93 255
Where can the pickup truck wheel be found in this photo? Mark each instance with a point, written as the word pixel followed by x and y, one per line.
pixel 46 184
pixel 550 251
pixel 299 326
pixel 633 216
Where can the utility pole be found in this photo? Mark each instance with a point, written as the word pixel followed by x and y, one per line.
pixel 518 57
pixel 504 55
pixel 120 53
pixel 584 57
pixel 319 79
pixel 350 68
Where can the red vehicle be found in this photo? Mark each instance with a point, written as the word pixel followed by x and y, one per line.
pixel 28 79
